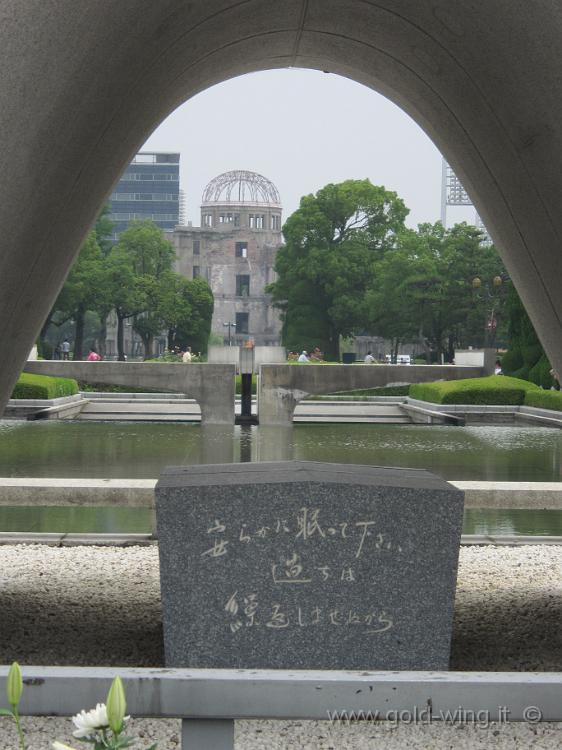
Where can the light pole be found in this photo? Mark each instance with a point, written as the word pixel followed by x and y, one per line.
pixel 230 326
pixel 492 290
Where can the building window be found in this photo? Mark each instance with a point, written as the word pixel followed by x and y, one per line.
pixel 241 250
pixel 208 220
pixel 196 247
pixel 236 220
pixel 196 272
pixel 242 285
pixel 275 222
pixel 242 323
pixel 144 177
pixel 256 221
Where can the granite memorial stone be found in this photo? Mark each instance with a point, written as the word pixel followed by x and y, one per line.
pixel 301 565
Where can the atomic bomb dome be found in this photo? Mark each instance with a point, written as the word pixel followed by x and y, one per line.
pixel 241 187
pixel 234 249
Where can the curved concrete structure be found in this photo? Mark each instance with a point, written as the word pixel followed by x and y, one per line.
pixel 84 83
pixel 281 387
pixel 212 386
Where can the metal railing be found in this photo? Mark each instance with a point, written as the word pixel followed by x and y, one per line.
pixel 209 700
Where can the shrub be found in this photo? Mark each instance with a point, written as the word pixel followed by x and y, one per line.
pixel 531 353
pixel 106 388
pixel 387 390
pixel 494 389
pixel 43 386
pixel 544 399
pixel 522 373
pixel 512 361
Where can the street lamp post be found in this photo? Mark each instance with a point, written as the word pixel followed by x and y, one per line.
pixel 230 326
pixel 492 290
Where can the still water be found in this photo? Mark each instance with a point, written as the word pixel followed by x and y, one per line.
pixel 141 450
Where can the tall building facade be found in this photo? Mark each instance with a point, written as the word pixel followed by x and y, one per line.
pixel 148 189
pixel 234 249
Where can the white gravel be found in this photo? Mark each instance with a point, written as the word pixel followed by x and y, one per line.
pixel 58 606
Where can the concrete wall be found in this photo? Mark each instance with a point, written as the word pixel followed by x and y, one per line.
pixel 212 386
pixel 139 493
pixel 84 84
pixel 281 387
pixel 221 355
pixel 262 355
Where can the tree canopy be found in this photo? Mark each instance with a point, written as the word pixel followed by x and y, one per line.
pixel 134 277
pixel 440 288
pixel 349 265
pixel 325 267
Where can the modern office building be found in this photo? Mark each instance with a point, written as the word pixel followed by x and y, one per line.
pixel 148 189
pixel 235 249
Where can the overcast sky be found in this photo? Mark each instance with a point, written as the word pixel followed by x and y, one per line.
pixel 303 129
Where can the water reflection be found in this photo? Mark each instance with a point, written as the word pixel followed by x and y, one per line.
pixel 142 450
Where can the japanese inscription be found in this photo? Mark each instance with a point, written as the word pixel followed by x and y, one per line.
pixel 357 539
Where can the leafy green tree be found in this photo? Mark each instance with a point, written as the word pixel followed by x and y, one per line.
pixel 437 287
pixel 186 310
pixel 85 290
pixel 104 304
pixel 84 285
pixel 525 357
pixel 326 265
pixel 141 259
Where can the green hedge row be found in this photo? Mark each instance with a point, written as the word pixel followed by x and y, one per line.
pixel 43 386
pixel 544 399
pixel 388 390
pixel 492 390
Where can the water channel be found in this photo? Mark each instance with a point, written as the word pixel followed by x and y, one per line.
pixel 142 449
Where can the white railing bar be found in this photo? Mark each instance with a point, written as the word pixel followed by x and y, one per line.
pixel 280 694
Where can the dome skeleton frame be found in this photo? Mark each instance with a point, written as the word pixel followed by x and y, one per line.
pixel 241 187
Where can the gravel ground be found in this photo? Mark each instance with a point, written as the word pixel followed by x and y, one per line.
pixel 58 606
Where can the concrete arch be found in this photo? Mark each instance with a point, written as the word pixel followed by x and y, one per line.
pixel 83 84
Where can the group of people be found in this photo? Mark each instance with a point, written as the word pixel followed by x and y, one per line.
pixel 185 355
pixel 62 351
pixel 316 355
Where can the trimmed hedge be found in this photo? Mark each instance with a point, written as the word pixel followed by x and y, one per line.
pixel 43 386
pixel 388 390
pixel 544 399
pixel 492 390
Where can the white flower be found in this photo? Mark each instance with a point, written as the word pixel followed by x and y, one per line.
pixel 60 746
pixel 87 723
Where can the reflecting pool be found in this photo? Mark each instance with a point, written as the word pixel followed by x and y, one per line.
pixel 143 449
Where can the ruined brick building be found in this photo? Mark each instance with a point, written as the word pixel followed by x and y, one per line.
pixel 235 249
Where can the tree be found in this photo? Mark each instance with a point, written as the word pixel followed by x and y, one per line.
pixel 332 242
pixel 139 262
pixel 426 289
pixel 186 310
pixel 82 289
pixel 104 233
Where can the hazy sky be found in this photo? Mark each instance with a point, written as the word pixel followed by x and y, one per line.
pixel 303 129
